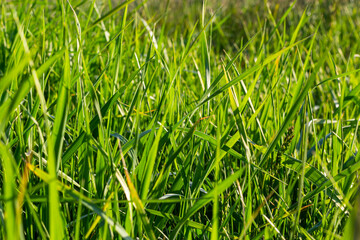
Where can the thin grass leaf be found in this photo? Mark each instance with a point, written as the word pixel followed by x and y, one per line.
pixel 205 200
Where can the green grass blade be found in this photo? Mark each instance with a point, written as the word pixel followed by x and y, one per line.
pixel 292 112
pixel 247 73
pixel 10 194
pixel 205 200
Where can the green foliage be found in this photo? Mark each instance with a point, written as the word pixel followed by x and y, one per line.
pixel 161 120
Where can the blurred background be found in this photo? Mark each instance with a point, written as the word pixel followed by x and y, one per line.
pixel 239 19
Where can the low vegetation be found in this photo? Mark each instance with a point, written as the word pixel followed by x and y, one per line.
pixel 138 120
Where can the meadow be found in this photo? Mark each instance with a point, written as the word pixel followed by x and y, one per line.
pixel 179 119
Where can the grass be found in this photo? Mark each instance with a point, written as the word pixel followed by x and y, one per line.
pixel 122 121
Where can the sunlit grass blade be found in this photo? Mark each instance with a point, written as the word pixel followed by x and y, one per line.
pixel 78 196
pixel 138 204
pixel 222 186
pixel 247 72
pixel 11 103
pixel 292 112
pixel 109 14
pixel 345 173
pixel 10 193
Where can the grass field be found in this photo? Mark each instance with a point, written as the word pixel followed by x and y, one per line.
pixel 179 120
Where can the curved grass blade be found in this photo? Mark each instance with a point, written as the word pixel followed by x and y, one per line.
pixel 139 206
pixel 95 121
pixel 93 125
pixel 245 74
pixel 24 87
pixel 109 14
pixel 221 187
pixel 62 110
pixel 345 173
pixel 10 192
pixel 227 67
pixel 14 72
pixel 80 197
pixel 292 112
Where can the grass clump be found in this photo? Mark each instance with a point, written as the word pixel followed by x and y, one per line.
pixel 119 121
